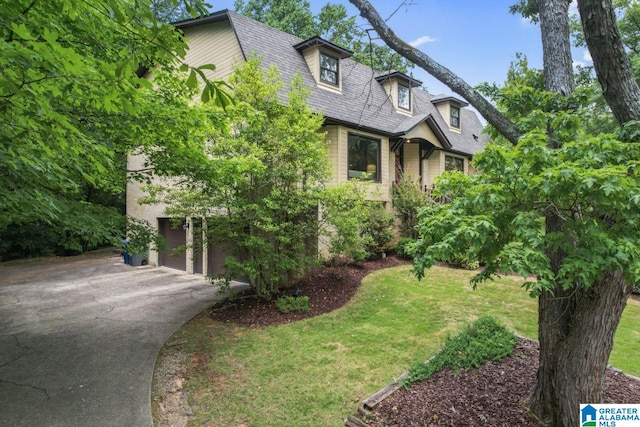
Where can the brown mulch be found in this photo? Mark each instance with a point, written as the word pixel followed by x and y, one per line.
pixel 328 289
pixel 493 395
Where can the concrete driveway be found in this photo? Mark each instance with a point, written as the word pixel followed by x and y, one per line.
pixel 79 338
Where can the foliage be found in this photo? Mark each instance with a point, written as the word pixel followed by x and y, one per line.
pixel 71 102
pixel 403 247
pixel 408 197
pixel 256 176
pixel 290 304
pixel 591 182
pixel 331 23
pixel 142 236
pixel 480 342
pixel 378 229
pixel 355 228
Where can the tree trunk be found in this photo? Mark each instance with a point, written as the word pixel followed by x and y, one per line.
pixel 577 329
pixel 610 60
pixel 556 46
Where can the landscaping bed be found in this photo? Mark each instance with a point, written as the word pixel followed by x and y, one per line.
pixel 496 392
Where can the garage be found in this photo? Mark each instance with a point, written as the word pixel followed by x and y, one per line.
pixel 175 237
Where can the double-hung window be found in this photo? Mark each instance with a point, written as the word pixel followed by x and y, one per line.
pixel 404 97
pixel 455 117
pixel 329 69
pixel 364 158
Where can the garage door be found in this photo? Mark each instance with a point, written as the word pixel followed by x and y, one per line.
pixel 174 238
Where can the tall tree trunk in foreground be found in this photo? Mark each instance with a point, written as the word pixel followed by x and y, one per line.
pixel 576 325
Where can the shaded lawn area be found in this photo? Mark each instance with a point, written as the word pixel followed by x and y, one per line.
pixel 316 372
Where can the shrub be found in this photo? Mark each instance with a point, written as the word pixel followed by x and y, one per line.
pixel 402 247
pixel 290 304
pixel 480 342
pixel 377 230
pixel 463 261
pixel 408 197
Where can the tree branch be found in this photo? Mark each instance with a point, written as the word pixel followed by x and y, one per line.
pixel 443 74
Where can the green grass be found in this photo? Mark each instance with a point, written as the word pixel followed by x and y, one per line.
pixel 316 372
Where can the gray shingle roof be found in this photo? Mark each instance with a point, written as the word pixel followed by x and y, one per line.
pixel 363 102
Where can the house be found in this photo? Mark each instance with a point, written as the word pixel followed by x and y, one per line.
pixel 378 125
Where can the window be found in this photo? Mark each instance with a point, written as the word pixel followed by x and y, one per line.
pixel 404 97
pixel 364 158
pixel 455 117
pixel 328 69
pixel 453 164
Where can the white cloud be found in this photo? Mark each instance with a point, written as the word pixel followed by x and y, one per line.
pixel 577 64
pixel 422 40
pixel 586 55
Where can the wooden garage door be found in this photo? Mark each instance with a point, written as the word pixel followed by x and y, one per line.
pixel 175 238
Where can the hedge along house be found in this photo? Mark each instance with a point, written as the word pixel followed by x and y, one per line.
pixel 379 125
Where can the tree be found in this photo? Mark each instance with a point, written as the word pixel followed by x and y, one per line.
pixel 561 204
pixel 70 101
pixel 332 24
pixel 256 176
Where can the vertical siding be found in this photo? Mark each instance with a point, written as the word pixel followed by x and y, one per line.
pixel 216 44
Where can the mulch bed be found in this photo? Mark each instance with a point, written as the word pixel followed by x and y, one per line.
pixel 329 289
pixel 493 395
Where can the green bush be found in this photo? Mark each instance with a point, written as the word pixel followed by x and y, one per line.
pixel 377 230
pixel 480 342
pixel 408 197
pixel 292 304
pixel 402 247
pixel 463 261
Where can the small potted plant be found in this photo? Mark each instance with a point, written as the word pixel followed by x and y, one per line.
pixel 141 237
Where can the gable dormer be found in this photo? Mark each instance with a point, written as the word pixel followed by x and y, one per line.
pixel 324 60
pixel 399 88
pixel 449 108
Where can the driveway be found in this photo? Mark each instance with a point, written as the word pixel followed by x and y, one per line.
pixel 79 338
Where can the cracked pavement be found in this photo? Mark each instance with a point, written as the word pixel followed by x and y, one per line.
pixel 79 338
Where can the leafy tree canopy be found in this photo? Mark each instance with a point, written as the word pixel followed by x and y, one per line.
pixel 71 103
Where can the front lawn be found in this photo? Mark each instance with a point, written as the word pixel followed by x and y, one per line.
pixel 316 372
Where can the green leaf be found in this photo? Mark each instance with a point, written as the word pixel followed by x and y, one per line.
pixel 192 81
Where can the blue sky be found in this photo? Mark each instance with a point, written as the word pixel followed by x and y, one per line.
pixel 476 39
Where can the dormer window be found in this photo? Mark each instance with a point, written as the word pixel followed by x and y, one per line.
pixel 329 68
pixel 455 117
pixel 324 61
pixel 404 97
pixel 398 87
